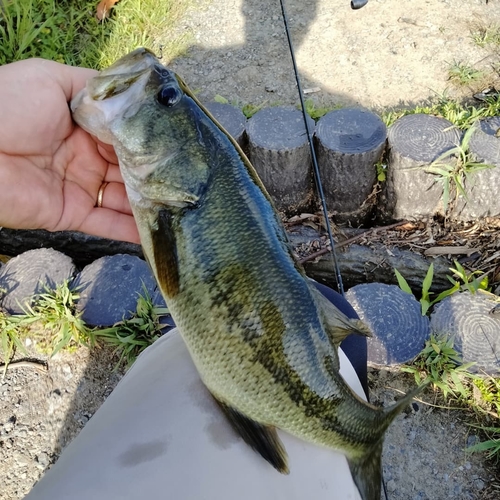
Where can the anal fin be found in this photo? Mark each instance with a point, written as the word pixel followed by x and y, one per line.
pixel 262 438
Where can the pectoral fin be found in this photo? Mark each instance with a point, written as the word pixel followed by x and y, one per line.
pixel 337 325
pixel 263 439
pixel 165 254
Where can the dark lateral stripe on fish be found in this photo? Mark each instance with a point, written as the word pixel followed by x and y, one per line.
pixel 165 255
pixel 311 404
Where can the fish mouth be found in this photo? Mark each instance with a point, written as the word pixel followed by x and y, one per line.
pixel 120 76
pixel 133 61
pixel 107 95
pixel 141 65
pixel 138 61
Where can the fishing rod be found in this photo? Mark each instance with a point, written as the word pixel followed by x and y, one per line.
pixel 355 4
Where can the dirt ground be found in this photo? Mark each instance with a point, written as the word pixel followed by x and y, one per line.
pixel 390 53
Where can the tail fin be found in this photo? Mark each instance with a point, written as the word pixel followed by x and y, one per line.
pixel 391 412
pixel 367 470
pixel 367 473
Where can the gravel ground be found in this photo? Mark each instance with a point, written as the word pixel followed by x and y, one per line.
pixel 40 413
pixel 390 53
pixel 424 452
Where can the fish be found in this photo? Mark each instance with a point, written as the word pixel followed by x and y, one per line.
pixel 262 337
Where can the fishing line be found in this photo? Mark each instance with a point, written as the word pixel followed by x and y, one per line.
pixel 317 176
pixel 491 346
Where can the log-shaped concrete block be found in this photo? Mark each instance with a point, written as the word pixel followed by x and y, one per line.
pixel 31 273
pixel 231 118
pixel 472 324
pixel 414 142
pixel 485 142
pixel 82 248
pixel 279 151
pixel 395 318
pixel 349 143
pixel 110 287
pixel 482 187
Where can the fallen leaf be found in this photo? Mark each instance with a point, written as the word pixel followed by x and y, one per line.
pixel 407 226
pixel 104 8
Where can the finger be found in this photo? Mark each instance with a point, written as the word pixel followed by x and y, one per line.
pixel 110 224
pixel 106 151
pixel 114 197
pixel 70 78
pixel 113 174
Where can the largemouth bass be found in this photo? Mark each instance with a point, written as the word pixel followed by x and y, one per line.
pixel 263 339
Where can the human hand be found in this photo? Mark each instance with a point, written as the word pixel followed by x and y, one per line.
pixel 51 170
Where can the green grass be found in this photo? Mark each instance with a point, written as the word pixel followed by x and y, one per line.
pixel 69 32
pixel 461 280
pixel 315 111
pixel 454 167
pixel 131 336
pixel 489 393
pixel 486 34
pixel 425 300
pixel 55 324
pixel 11 330
pixel 247 109
pixel 440 364
pixel 487 398
pixel 464 74
pixel 462 116
pixel 52 320
pixel 145 23
pixel 490 446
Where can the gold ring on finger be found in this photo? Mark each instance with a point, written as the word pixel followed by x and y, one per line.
pixel 100 194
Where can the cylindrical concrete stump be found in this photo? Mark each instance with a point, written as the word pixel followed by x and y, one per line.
pixel 469 320
pixel 395 318
pixel 482 187
pixel 485 142
pixel 349 142
pixel 231 118
pixel 110 286
pixel 279 151
pixel 414 142
pixel 30 274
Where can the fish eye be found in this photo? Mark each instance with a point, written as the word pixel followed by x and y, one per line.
pixel 169 96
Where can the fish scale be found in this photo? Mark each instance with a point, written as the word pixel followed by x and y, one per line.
pixel 263 339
